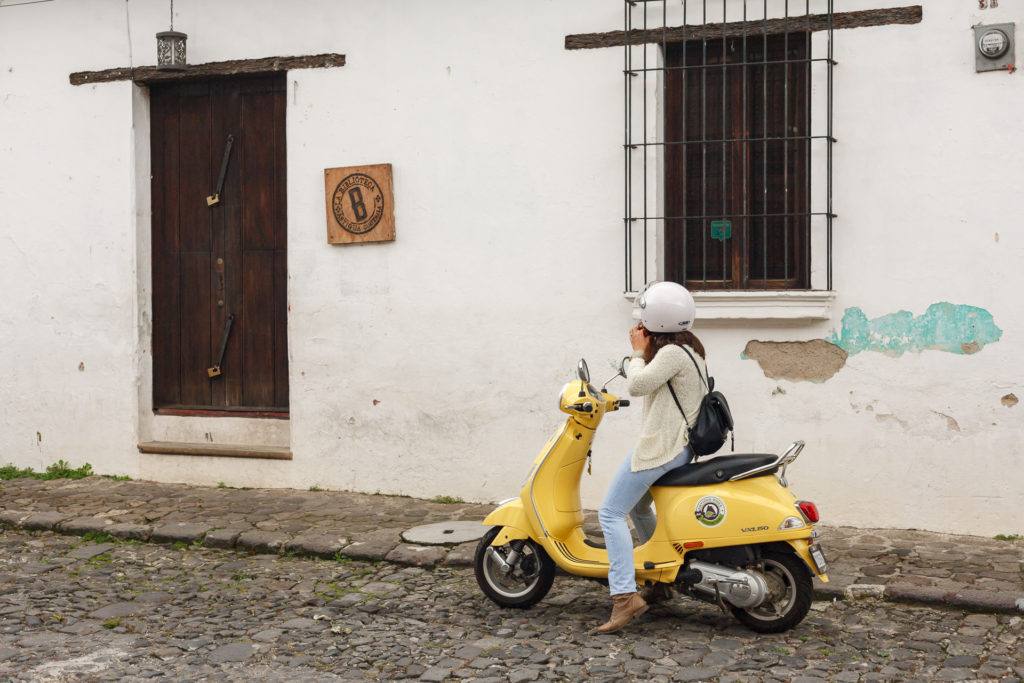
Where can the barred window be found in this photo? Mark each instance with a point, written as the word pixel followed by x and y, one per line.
pixel 727 189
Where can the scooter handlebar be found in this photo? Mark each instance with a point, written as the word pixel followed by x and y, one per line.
pixel 623 402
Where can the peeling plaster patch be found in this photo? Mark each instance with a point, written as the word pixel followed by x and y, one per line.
pixel 951 423
pixel 1010 400
pixel 816 360
pixel 956 328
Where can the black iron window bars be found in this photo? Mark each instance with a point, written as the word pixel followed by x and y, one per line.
pixel 731 169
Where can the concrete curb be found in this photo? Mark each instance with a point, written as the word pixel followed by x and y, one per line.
pixel 322 546
pixel 975 601
pixel 396 552
pixel 968 600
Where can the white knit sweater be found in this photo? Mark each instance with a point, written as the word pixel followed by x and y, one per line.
pixel 663 434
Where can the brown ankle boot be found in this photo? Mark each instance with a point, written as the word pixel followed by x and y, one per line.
pixel 625 608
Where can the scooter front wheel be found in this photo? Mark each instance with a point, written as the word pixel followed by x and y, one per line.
pixel 521 583
pixel 790 589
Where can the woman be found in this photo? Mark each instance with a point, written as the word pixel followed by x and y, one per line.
pixel 666 311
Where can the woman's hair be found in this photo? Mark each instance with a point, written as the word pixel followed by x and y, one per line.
pixel 660 339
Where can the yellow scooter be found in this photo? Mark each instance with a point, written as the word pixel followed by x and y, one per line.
pixel 728 531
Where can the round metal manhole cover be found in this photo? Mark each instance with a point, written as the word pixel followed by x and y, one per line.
pixel 444 533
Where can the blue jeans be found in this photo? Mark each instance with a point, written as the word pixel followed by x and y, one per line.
pixel 629 495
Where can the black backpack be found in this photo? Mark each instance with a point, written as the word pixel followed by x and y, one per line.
pixel 714 419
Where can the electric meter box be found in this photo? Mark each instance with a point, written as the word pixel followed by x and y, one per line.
pixel 994 47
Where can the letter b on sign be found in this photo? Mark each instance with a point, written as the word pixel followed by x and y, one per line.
pixel 355 195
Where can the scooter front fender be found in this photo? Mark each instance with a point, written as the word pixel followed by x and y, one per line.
pixel 512 518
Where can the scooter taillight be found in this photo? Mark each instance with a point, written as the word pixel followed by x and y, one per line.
pixel 809 510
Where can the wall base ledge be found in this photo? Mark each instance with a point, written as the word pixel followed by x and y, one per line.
pixel 215 450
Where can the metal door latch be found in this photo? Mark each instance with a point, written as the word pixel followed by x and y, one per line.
pixel 215 370
pixel 215 197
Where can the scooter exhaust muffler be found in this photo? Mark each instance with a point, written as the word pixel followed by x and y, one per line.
pixel 744 589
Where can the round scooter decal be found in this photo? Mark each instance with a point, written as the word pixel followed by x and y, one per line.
pixel 710 511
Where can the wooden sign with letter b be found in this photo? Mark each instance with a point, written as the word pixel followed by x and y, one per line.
pixel 360 204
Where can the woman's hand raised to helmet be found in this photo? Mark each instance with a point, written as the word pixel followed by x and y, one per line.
pixel 638 338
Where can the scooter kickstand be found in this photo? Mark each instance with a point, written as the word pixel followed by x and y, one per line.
pixel 718 598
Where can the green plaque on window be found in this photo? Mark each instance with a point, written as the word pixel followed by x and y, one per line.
pixel 721 230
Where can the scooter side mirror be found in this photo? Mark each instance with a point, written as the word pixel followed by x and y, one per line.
pixel 582 371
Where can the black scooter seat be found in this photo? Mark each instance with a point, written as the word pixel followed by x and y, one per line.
pixel 717 470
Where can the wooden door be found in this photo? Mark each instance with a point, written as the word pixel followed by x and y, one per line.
pixel 229 260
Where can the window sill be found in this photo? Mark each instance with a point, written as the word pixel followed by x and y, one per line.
pixel 215 450
pixel 762 305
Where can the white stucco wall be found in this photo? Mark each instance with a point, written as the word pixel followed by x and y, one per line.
pixel 431 365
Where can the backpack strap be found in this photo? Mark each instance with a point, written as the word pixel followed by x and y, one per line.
pixel 673 391
pixel 678 404
pixel 704 381
pixel 686 422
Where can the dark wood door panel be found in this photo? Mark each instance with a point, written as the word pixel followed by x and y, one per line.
pixel 258 323
pixel 195 329
pixel 257 167
pixel 727 117
pixel 280 186
pixel 195 173
pixel 166 282
pixel 280 328
pixel 227 391
pixel 210 263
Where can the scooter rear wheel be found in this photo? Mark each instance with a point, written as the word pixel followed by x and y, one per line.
pixel 527 583
pixel 791 591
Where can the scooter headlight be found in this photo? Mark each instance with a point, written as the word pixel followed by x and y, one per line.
pixel 791 523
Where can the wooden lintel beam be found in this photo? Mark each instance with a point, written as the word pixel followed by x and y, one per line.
pixel 812 22
pixel 234 67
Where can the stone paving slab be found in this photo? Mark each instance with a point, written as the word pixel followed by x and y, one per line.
pixel 966 572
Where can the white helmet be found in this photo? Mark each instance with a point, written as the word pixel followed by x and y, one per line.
pixel 665 307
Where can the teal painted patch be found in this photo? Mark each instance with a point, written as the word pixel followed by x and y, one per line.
pixel 955 328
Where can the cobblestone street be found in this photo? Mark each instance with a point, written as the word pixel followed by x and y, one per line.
pixel 920 567
pixel 72 609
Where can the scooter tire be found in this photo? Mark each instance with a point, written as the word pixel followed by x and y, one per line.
pixel 536 593
pixel 803 593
